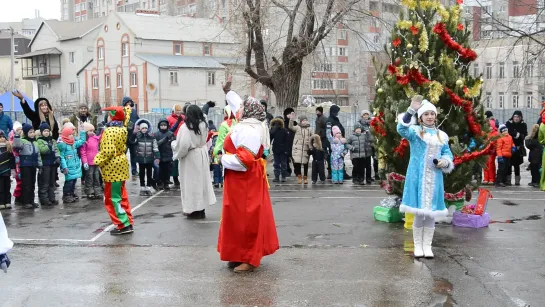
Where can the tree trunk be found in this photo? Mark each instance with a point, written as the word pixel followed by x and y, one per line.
pixel 287 79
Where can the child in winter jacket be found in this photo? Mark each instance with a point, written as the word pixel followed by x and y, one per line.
pixel 217 168
pixel 70 162
pixel 338 151
pixel 279 140
pixel 30 161
pixel 301 146
pixel 16 173
pixel 318 159
pixel 50 160
pixel 146 152
pixel 490 167
pixel 164 138
pixel 504 150
pixel 7 162
pixel 88 151
pixel 360 148
pixel 536 152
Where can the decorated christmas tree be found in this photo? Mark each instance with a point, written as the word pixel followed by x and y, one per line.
pixel 430 56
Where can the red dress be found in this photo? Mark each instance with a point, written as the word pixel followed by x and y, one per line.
pixel 247 228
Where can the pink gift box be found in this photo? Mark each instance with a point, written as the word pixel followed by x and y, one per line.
pixel 470 220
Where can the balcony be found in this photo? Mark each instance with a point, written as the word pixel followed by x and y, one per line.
pixel 41 64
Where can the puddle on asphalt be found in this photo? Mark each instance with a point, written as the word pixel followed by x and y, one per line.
pixel 442 290
pixel 533 217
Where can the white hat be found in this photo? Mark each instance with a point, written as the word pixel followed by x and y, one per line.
pixel 234 101
pixel 17 125
pixel 144 125
pixel 426 106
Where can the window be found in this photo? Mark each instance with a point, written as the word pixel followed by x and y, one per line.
pixel 211 78
pixel 343 34
pixel 502 70
pixel 133 79
pixel 101 53
pixel 95 82
pixel 82 5
pixel 178 49
pixel 76 8
pixel 73 87
pixel 323 67
pixel 341 84
pixel 341 67
pixel 476 70
pixel 373 6
pixel 322 84
pixel 207 49
pixel 72 57
pixel 15 46
pixel 376 39
pixel 107 81
pixel 529 71
pixel 152 4
pixel 125 49
pixel 488 70
pixel 467 9
pixel 83 17
pixel 501 100
pixel 529 100
pixel 342 51
pixel 515 100
pixel 488 100
pixel 502 8
pixel 331 51
pixel 516 69
pixel 119 80
pixel 173 78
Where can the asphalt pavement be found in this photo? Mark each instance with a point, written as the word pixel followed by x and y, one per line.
pixel 332 254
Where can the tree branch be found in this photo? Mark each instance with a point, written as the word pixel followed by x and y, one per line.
pixel 255 39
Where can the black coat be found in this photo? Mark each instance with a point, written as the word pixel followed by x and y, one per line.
pixel 334 121
pixel 34 116
pixel 522 130
pixel 163 142
pixel 279 137
pixel 536 150
pixel 291 135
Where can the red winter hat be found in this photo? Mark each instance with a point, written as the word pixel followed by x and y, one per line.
pixel 116 113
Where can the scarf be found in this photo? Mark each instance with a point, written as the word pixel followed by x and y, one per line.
pixel 67 140
pixel 114 123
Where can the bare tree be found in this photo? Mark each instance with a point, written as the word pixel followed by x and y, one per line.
pixel 5 82
pixel 284 75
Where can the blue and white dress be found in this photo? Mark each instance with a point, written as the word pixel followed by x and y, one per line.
pixel 423 193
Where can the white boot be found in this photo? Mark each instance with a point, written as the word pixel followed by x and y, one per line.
pixel 143 191
pixel 417 238
pixel 428 238
pixel 148 191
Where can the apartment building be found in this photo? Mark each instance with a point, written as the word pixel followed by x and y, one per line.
pixel 58 52
pixel 162 60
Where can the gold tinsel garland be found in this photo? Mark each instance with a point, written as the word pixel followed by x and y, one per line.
pixel 424 42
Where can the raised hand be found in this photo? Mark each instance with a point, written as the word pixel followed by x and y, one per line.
pixel 416 102
pixel 227 86
pixel 18 95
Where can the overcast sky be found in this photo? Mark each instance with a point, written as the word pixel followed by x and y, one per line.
pixel 15 10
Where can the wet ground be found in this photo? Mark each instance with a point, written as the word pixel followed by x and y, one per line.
pixel 333 254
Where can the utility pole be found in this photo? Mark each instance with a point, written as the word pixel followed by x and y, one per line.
pixel 12 84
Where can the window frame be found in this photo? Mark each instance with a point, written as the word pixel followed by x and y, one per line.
pixel 133 79
pixel 205 47
pixel 100 53
pixel 501 100
pixel 501 70
pixel 176 45
pixel 119 80
pixel 213 75
pixel 515 100
pixel 125 49
pixel 72 57
pixel 488 71
pixel 173 73
pixel 73 88
pixel 107 81
pixel 95 82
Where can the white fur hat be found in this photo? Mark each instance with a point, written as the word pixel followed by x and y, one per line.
pixel 426 106
pixel 143 125
pixel 17 125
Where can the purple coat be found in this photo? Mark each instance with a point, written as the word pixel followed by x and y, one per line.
pixel 90 149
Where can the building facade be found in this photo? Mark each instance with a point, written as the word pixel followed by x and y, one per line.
pixel 185 61
pixel 20 47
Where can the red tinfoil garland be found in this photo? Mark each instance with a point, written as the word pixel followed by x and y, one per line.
pixel 378 124
pixel 466 53
pixel 473 155
pixel 400 149
pixel 466 105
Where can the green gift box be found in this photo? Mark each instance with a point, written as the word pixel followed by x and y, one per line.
pixel 387 215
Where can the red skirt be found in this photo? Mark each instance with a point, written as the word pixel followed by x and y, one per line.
pixel 247 228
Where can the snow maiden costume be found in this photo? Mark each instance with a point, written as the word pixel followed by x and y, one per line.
pixel 423 193
pixel 5 246
pixel 247 229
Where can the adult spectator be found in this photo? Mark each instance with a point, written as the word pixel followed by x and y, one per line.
pixel 207 107
pixel 130 127
pixel 518 130
pixel 43 112
pixel 291 136
pixel 269 116
pixel 83 116
pixel 176 116
pixel 321 122
pixel 333 119
pixel 491 118
pixel 6 124
pixel 96 109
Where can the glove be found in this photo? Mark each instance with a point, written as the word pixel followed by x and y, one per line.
pixel 513 149
pixel 442 163
pixel 57 161
pixel 65 171
pixel 517 136
pixel 40 170
pixel 157 161
pixel 500 159
pixel 4 262
pixel 86 166
pixel 266 153
pixel 13 173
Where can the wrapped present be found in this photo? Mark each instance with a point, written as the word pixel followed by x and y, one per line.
pixel 468 209
pixel 482 201
pixel 388 215
pixel 470 220
pixel 390 202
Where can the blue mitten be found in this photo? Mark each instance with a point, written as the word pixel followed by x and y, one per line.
pixel 500 159
pixel 4 262
pixel 513 149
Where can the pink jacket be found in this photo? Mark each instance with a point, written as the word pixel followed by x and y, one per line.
pixel 90 149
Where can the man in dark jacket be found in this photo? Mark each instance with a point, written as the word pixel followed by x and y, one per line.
pixel 130 127
pixel 279 141
pixel 268 115
pixel 83 116
pixel 333 119
pixel 291 135
pixel 321 123
pixel 207 107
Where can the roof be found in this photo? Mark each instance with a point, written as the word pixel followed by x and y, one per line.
pixel 40 52
pixel 6 34
pixel 179 61
pixel 65 30
pixel 230 61
pixel 176 28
